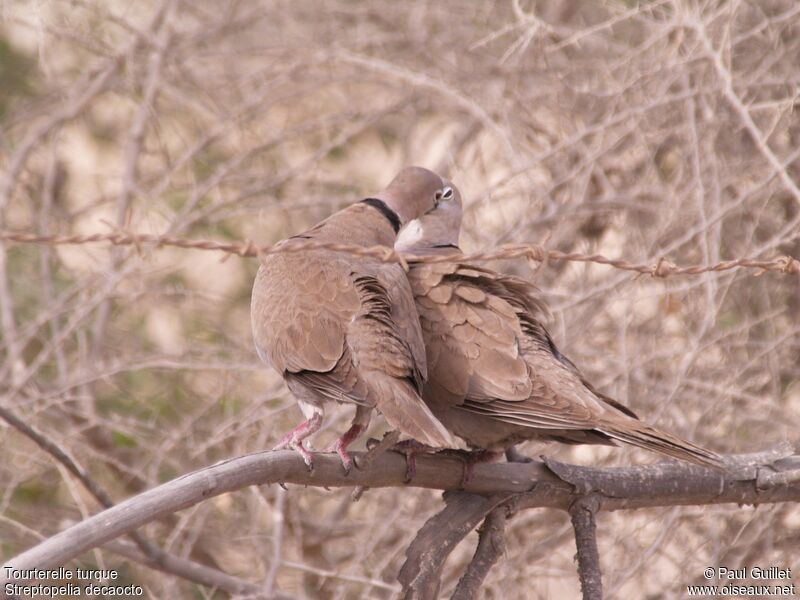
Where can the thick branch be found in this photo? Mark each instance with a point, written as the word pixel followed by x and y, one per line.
pixel 425 558
pixel 757 478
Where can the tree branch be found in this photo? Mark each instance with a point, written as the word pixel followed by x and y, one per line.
pixel 582 515
pixel 188 569
pixel 155 556
pixel 772 476
pixel 491 545
pixel 425 557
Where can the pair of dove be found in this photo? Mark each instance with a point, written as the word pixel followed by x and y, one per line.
pixel 447 349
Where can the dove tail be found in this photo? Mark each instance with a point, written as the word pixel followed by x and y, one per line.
pixel 642 435
pixel 403 409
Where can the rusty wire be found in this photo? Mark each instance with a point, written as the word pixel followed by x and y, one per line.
pixel 662 268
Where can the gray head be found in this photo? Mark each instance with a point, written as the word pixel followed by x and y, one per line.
pixel 413 192
pixel 438 227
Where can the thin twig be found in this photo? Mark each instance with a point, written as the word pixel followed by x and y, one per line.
pixel 582 515
pixel 744 115
pixel 343 576
pixel 189 570
pixel 155 555
pixel 278 518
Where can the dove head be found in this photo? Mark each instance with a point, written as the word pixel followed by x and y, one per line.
pixel 413 192
pixel 438 228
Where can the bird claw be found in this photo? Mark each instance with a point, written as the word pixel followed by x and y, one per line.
pixel 344 456
pixel 341 444
pixel 411 467
pixel 296 439
pixel 470 458
pixel 305 452
pixel 347 461
pixel 409 449
pixel 292 443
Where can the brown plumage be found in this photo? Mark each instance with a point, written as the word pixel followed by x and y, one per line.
pixel 495 377
pixel 344 328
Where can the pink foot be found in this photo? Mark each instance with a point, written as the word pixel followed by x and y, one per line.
pixel 294 439
pixel 341 444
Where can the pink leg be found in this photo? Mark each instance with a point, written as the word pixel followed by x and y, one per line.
pixel 360 422
pixel 294 439
pixel 341 444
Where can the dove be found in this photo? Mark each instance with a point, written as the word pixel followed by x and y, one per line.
pixel 495 376
pixel 343 327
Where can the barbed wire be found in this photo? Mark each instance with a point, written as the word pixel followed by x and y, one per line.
pixel 663 268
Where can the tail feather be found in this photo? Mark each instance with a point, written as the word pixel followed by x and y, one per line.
pixel 403 409
pixel 644 436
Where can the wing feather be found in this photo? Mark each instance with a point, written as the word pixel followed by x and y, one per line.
pixel 472 337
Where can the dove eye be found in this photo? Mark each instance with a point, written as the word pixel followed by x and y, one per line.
pixel 445 193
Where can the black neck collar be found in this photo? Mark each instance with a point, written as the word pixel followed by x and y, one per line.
pixel 387 212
